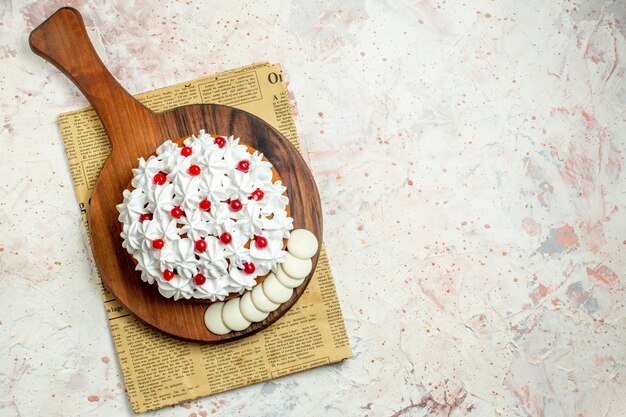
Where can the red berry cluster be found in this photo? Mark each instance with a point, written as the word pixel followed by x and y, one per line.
pixel 177 212
pixel 200 245
pixel 194 170
pixel 205 205
pixel 260 242
pixel 235 205
pixel 226 238
pixel 160 178
pixel 243 166
pixel 199 279
pixel 248 267
pixel 220 142
pixel 257 195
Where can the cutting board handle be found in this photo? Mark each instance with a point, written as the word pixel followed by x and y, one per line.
pixel 63 40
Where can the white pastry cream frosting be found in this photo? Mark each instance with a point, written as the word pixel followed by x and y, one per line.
pixel 204 220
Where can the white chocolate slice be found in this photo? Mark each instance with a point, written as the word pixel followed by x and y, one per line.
pixel 302 244
pixel 249 311
pixel 296 268
pixel 286 280
pixel 276 291
pixel 261 302
pixel 231 314
pixel 213 319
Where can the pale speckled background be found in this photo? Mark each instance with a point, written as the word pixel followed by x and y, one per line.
pixel 470 159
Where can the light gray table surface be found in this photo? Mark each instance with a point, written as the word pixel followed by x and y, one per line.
pixel 470 160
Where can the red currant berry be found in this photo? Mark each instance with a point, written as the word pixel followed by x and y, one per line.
pixel 145 216
pixel 186 151
pixel 158 243
pixel 248 267
pixel 159 178
pixel 226 238
pixel 260 242
pixel 220 141
pixel 205 205
pixel 177 212
pixel 235 205
pixel 243 166
pixel 199 279
pixel 168 275
pixel 257 195
pixel 200 245
pixel 194 170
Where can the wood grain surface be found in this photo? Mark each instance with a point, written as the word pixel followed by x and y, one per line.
pixel 135 131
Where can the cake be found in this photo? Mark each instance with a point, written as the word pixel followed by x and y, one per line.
pixel 205 218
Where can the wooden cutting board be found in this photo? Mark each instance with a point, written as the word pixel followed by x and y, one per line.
pixel 135 131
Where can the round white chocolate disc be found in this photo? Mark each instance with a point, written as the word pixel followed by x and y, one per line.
pixel 276 291
pixel 248 309
pixel 286 280
pixel 231 314
pixel 261 302
pixel 296 268
pixel 213 319
pixel 302 244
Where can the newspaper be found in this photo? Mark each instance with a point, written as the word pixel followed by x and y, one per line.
pixel 159 370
